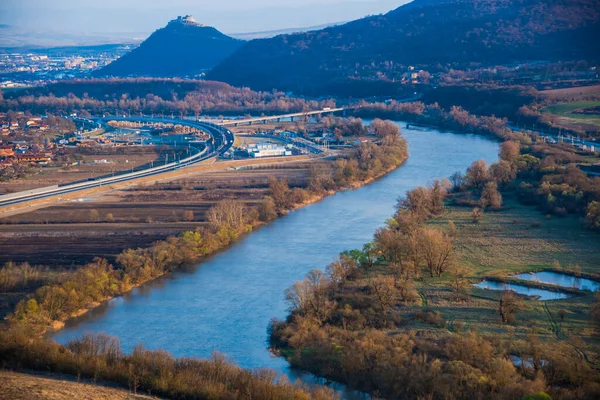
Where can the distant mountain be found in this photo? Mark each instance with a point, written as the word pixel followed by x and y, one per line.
pixel 182 48
pixel 424 33
pixel 20 39
pixel 270 34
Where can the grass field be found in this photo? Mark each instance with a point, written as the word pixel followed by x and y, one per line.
pixel 567 116
pixel 566 109
pixel 518 239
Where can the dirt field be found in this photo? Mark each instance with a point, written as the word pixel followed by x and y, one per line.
pixel 570 92
pixel 73 233
pixel 20 386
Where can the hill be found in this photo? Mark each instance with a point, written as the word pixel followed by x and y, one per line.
pixel 20 386
pixel 182 48
pixel 427 34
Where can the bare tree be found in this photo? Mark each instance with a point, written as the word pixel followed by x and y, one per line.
pixel 188 215
pixel 458 280
pixel 477 173
pixel 227 213
pixel 491 196
pixel 510 304
pixel 341 269
pixel 436 247
pixel 309 296
pixel 384 290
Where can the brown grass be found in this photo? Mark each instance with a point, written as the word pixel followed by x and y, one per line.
pixel 21 386
pixel 574 91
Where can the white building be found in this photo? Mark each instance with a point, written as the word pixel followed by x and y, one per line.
pixel 267 150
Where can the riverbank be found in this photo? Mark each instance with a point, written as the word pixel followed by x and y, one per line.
pixel 229 221
pixel 59 324
pixel 392 328
pixel 228 301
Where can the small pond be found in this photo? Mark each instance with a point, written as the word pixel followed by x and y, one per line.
pixel 542 294
pixel 564 280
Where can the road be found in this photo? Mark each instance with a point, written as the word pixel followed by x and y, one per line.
pixel 221 140
pixel 562 139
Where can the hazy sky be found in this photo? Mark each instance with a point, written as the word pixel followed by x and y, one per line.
pixel 134 17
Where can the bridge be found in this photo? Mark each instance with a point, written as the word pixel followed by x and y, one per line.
pixel 278 118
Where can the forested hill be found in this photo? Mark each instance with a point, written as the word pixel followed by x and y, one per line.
pixel 424 33
pixel 182 48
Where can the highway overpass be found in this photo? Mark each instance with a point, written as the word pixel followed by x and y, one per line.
pixel 265 119
pixel 221 140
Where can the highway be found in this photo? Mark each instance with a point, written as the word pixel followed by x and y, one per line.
pixel 221 140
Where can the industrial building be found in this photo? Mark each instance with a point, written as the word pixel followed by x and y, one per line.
pixel 267 150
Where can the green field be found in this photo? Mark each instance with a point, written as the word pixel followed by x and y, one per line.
pixel 566 111
pixel 519 239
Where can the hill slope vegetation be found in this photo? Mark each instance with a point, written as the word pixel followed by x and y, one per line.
pixel 182 48
pixel 427 34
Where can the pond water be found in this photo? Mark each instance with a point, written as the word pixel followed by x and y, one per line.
pixel 543 295
pixel 226 302
pixel 564 280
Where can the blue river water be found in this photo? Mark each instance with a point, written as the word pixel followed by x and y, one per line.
pixel 226 302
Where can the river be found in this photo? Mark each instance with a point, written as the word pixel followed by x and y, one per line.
pixel 227 301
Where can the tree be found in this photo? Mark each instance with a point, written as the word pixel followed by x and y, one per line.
pixel 509 151
pixel 226 214
pixel 94 215
pixel 503 171
pixel 458 280
pixel 458 180
pixel 383 129
pixel 309 296
pixel 436 248
pixel 417 202
pixel 593 215
pixel 341 269
pixel 491 196
pixel 510 304
pixel 110 218
pixel 133 262
pixel 279 191
pixel 403 283
pixel 437 195
pixel 297 196
pixel 394 247
pixel 477 173
pixel 384 289
pixel 267 210
pixel 188 215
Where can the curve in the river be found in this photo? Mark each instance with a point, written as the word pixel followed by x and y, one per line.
pixel 226 303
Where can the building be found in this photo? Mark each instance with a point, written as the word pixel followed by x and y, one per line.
pixel 267 150
pixel 6 151
pixel 361 140
pixel 33 158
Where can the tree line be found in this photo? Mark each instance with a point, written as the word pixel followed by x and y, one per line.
pixel 151 96
pixel 348 323
pixel 543 175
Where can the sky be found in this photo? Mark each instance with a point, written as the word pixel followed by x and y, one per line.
pixel 138 18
